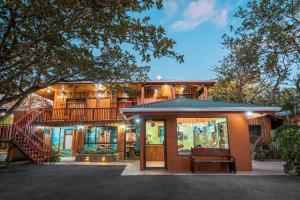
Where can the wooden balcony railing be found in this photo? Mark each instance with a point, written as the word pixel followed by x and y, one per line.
pixel 80 114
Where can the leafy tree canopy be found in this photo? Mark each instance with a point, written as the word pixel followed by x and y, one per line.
pixel 264 51
pixel 44 42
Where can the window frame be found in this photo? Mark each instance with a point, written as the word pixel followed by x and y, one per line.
pixel 228 131
pixel 101 143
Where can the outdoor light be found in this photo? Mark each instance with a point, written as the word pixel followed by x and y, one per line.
pixel 99 86
pixel 100 94
pixel 158 77
pixel 249 114
pixel 123 126
pixel 39 127
pixel 137 120
pixel 80 127
pixel 87 158
pixel 103 159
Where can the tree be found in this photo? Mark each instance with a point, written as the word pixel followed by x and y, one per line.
pixel 268 41
pixel 45 42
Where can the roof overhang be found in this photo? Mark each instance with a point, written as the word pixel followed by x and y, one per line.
pixel 208 109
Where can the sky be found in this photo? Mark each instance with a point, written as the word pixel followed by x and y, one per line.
pixel 197 26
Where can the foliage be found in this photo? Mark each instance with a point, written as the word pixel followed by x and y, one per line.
pixel 288 139
pixel 289 101
pixel 45 42
pixel 97 150
pixel 54 158
pixel 264 52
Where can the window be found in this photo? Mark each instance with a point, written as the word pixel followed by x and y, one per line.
pixel 101 137
pixel 201 132
pixel 155 132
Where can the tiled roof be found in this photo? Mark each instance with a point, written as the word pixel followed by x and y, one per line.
pixel 197 105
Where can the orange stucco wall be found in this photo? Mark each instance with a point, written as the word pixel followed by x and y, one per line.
pixel 238 139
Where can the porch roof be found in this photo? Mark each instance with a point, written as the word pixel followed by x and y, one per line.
pixel 194 105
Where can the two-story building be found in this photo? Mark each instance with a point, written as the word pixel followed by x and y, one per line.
pixel 157 122
pixel 87 115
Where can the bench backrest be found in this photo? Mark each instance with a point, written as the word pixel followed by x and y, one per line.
pixel 198 151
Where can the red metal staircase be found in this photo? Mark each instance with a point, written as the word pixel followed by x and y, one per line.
pixel 23 136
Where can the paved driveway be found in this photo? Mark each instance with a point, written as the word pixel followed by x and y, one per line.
pixel 104 182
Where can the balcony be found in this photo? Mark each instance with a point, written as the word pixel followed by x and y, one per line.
pixel 79 115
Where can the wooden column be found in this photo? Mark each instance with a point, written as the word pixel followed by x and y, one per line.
pixel 205 93
pixel 173 92
pixel 142 94
pixel 142 144
pixel 121 142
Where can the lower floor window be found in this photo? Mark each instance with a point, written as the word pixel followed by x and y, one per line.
pixel 201 132
pixel 100 137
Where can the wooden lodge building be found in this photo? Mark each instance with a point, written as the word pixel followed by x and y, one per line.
pixel 161 123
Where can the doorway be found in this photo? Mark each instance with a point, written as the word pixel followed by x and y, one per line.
pixel 132 143
pixel 155 151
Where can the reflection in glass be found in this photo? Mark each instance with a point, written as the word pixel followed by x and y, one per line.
pixel 201 132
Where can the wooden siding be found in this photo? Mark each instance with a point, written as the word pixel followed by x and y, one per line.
pixel 265 123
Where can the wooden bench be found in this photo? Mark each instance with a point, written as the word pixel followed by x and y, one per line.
pixel 212 155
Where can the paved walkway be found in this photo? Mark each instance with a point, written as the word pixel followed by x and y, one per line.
pixel 78 182
pixel 132 168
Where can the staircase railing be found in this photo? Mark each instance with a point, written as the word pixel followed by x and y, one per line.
pixel 26 139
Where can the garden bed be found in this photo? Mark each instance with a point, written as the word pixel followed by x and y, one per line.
pixel 97 157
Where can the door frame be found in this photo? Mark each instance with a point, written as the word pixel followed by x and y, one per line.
pixel 137 138
pixel 164 145
pixel 65 134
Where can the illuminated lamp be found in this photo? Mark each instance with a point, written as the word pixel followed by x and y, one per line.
pixel 137 120
pixel 158 77
pixel 249 114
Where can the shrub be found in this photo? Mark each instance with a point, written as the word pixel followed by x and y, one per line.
pixel 288 138
pixel 54 158
pixel 98 150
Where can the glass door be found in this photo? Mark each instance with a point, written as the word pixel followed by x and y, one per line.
pixel 155 144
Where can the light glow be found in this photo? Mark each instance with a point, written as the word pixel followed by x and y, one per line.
pixel 158 77
pixel 123 126
pixel 249 114
pixel 137 120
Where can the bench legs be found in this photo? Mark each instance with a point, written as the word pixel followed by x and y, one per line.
pixel 231 165
pixel 232 168
pixel 192 167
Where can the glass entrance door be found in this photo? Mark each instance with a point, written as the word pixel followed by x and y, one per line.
pixel 155 144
